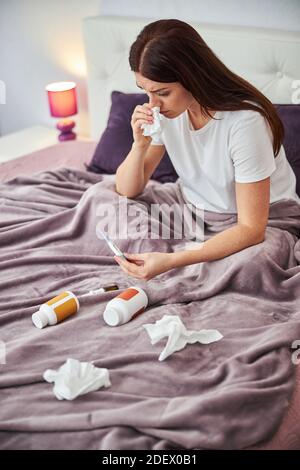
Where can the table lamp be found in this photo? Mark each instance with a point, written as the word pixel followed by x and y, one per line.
pixel 63 103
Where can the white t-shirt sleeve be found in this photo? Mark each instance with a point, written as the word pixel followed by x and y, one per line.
pixel 157 141
pixel 251 149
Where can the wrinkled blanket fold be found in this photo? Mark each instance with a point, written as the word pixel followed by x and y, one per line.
pixel 227 395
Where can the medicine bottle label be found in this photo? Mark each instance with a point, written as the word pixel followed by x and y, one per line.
pixel 128 294
pixel 63 305
pixel 141 310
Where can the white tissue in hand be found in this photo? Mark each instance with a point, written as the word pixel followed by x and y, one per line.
pixel 178 335
pixel 154 129
pixel 76 378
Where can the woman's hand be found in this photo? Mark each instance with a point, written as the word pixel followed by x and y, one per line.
pixel 142 114
pixel 145 265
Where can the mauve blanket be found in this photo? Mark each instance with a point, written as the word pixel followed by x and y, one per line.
pixel 226 395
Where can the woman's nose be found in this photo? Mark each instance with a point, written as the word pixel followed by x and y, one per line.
pixel 154 102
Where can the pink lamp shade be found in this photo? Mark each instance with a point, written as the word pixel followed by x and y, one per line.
pixel 63 103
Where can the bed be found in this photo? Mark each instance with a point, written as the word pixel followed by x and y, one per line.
pixel 242 392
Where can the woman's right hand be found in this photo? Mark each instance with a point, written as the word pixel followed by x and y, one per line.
pixel 141 114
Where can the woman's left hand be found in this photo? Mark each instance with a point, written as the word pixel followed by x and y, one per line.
pixel 145 265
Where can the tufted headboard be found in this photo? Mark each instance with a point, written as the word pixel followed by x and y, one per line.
pixel 269 59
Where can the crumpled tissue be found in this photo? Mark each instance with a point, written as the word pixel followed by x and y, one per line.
pixel 154 130
pixel 76 378
pixel 178 335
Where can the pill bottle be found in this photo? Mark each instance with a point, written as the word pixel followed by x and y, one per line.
pixel 56 310
pixel 125 306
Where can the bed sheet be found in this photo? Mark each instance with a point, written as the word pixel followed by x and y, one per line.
pixel 66 154
pixel 49 210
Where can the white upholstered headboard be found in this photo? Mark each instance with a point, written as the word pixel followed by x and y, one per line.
pixel 269 59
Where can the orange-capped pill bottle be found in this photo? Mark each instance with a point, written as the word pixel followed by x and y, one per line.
pixel 56 310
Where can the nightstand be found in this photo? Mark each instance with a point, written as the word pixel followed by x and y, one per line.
pixel 27 141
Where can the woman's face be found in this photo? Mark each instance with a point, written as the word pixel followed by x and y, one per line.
pixel 172 98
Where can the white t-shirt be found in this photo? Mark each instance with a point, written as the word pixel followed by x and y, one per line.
pixel 236 148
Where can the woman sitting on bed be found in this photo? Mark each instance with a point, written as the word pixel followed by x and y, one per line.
pixel 223 137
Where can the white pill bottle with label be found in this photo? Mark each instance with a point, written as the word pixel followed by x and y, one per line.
pixel 56 310
pixel 126 306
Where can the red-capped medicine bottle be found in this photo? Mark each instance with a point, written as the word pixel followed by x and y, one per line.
pixel 125 306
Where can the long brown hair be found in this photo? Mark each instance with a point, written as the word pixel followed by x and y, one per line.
pixel 173 51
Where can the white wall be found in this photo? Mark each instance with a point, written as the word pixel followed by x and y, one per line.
pixel 41 42
pixel 274 14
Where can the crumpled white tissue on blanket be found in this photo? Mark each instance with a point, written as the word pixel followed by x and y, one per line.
pixel 154 130
pixel 76 378
pixel 178 335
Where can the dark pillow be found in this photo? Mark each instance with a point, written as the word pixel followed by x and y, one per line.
pixel 290 117
pixel 116 141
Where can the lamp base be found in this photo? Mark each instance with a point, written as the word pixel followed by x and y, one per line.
pixel 63 136
pixel 65 126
